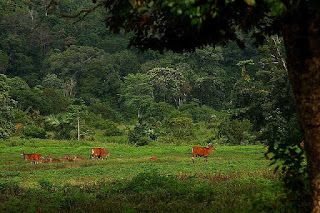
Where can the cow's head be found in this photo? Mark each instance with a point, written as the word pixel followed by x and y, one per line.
pixel 211 148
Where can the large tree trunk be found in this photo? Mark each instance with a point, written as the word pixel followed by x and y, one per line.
pixel 302 41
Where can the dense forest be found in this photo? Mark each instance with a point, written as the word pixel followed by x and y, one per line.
pixel 65 79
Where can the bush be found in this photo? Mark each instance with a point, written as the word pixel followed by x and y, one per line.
pixel 33 131
pixel 197 113
pixel 20 117
pixel 236 132
pixel 142 141
pixel 111 129
pixel 139 134
pixel 158 111
pixel 179 127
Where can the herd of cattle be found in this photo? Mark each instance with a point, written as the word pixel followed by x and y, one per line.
pixel 36 158
pixel 100 153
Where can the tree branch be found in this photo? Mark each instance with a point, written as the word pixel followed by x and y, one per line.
pixel 83 13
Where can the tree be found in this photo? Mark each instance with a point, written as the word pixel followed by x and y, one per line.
pixel 185 25
pixel 169 85
pixel 137 92
pixel 6 109
pixel 78 111
pixel 52 81
pixel 4 61
pixel 243 64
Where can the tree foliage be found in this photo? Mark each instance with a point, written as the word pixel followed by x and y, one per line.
pixel 6 109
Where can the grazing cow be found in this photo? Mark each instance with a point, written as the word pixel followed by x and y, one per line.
pixel 66 158
pixel 99 152
pixel 302 144
pixel 153 158
pixel 33 158
pixel 52 160
pixel 202 152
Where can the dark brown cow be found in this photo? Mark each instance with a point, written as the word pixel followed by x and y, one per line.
pixel 33 158
pixel 202 152
pixel 99 152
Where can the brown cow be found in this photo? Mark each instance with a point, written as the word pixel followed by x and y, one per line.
pixel 302 144
pixel 52 160
pixel 202 152
pixel 99 152
pixel 66 158
pixel 33 158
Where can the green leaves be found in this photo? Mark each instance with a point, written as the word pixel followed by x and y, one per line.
pixel 6 109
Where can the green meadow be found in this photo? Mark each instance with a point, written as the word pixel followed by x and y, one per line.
pixel 235 179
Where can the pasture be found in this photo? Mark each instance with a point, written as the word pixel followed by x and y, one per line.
pixel 235 179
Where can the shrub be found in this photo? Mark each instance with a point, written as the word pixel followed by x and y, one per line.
pixel 197 113
pixel 139 134
pixel 236 132
pixel 158 111
pixel 33 131
pixel 142 141
pixel 179 127
pixel 20 117
pixel 111 129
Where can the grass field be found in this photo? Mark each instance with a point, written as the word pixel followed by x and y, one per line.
pixel 235 179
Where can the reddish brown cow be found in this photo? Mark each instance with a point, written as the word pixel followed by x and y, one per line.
pixel 99 152
pixel 202 152
pixel 302 144
pixel 33 158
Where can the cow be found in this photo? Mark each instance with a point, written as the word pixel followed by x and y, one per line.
pixel 202 152
pixel 33 158
pixel 52 160
pixel 302 145
pixel 66 158
pixel 266 148
pixel 99 152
